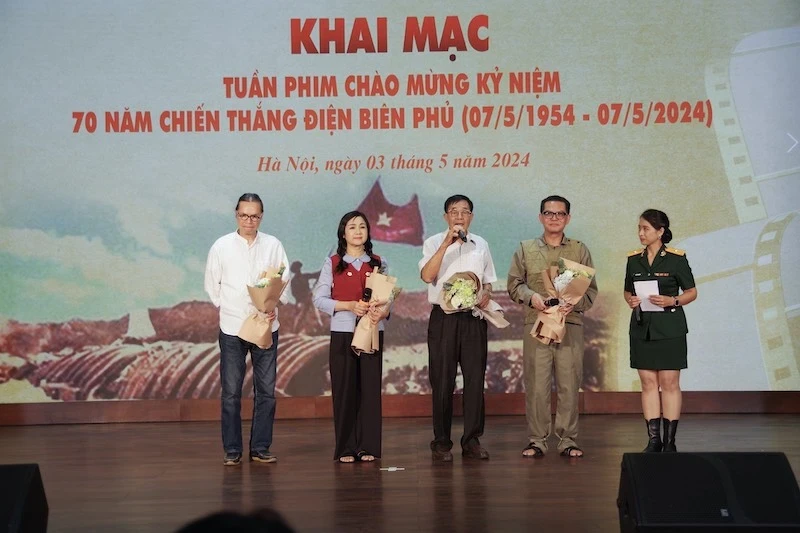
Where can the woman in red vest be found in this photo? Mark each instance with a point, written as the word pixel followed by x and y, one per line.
pixel 355 380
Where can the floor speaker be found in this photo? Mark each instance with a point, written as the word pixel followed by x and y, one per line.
pixel 710 492
pixel 23 505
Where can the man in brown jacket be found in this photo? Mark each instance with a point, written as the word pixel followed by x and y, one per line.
pixel 525 286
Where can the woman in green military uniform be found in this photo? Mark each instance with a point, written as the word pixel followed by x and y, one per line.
pixel 658 338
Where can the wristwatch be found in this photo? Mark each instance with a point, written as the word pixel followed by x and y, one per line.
pixel 677 303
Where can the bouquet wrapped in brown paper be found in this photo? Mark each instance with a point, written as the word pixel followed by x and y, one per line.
pixel 462 292
pixel 264 295
pixel 568 282
pixel 384 291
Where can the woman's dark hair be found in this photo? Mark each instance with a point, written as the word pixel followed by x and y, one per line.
pixel 250 197
pixel 341 247
pixel 658 219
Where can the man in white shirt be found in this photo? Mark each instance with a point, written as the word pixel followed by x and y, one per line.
pixel 457 338
pixel 234 262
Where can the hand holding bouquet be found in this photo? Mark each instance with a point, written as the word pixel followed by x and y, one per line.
pixel 264 296
pixel 384 291
pixel 463 292
pixel 568 282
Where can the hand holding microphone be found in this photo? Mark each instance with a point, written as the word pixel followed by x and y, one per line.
pixel 361 307
pixel 460 232
pixel 634 303
pixel 538 303
pixel 366 296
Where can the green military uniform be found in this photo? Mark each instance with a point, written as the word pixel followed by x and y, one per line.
pixel 659 341
pixel 525 279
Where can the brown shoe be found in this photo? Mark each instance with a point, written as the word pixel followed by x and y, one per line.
pixel 475 451
pixel 440 453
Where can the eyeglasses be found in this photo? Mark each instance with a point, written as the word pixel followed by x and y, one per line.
pixel 252 218
pixel 559 215
pixel 456 212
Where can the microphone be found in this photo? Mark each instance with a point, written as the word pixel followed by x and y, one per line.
pixel 637 314
pixel 366 296
pixel 462 235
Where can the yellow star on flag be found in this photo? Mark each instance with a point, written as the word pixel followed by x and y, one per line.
pixel 384 220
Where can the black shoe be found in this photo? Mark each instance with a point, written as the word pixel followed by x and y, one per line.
pixel 475 451
pixel 670 428
pixel 232 459
pixel 263 457
pixel 441 453
pixel 537 451
pixel 654 445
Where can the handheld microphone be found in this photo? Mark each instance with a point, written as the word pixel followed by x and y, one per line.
pixel 637 314
pixel 366 296
pixel 462 235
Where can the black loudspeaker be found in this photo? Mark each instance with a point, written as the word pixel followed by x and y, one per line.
pixel 23 505
pixel 710 492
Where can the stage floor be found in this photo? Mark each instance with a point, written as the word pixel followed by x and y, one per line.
pixel 159 476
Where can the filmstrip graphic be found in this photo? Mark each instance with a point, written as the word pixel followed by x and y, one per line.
pixel 781 359
pixel 745 193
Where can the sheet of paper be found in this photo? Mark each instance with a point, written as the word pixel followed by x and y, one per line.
pixel 643 290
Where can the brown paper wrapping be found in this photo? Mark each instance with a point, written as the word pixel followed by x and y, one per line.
pixel 494 316
pixel 257 327
pixel 365 336
pixel 550 324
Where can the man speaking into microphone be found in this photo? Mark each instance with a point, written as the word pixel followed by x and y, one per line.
pixel 457 338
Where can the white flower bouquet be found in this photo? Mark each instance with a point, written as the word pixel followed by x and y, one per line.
pixel 462 292
pixel 568 282
pixel 268 277
pixel 265 294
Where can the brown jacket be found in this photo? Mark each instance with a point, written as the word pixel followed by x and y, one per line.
pixel 525 274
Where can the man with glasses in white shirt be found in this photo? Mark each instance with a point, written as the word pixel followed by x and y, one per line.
pixel 525 286
pixel 457 338
pixel 234 262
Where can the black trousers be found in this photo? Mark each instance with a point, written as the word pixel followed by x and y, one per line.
pixel 356 389
pixel 453 339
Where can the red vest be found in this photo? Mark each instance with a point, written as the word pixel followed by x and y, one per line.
pixel 349 285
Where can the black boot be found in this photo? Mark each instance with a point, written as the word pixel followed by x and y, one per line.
pixel 654 433
pixel 670 427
